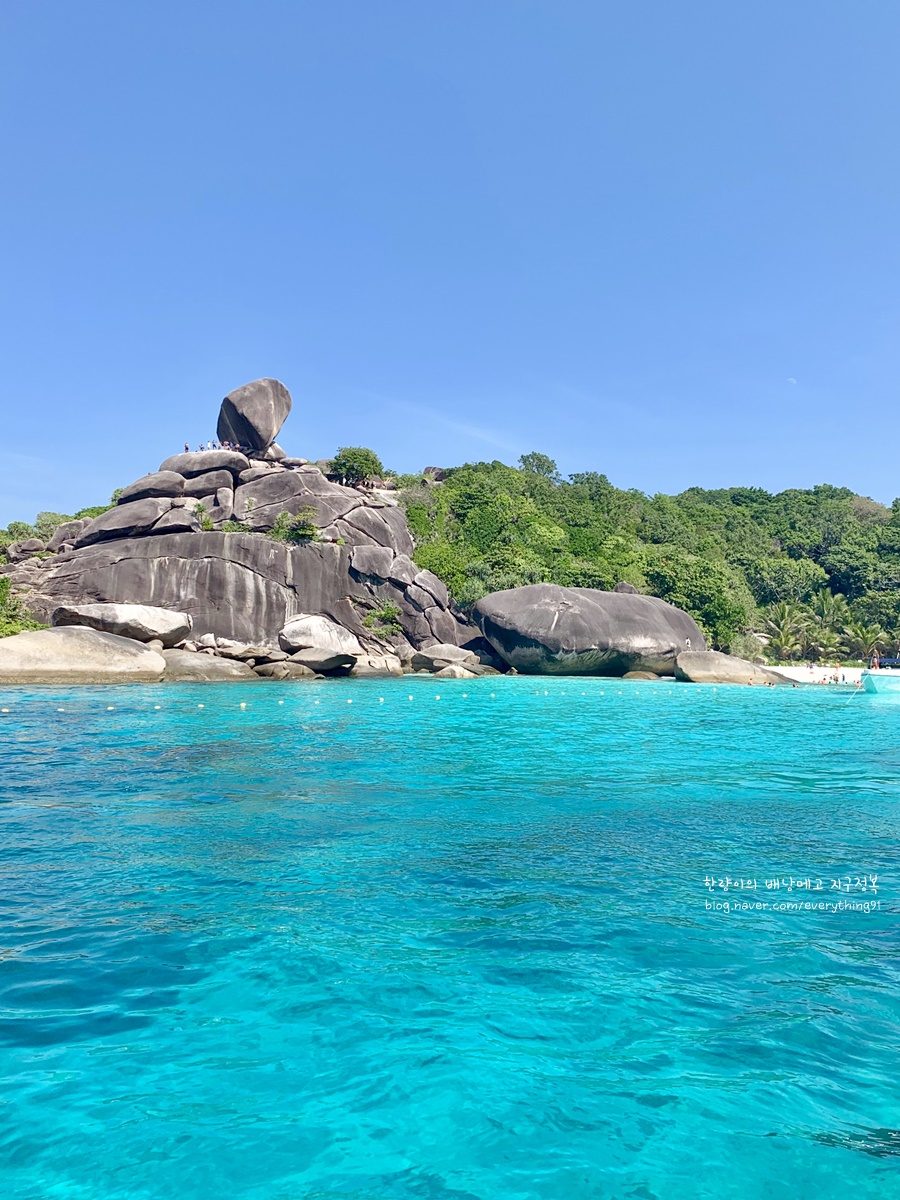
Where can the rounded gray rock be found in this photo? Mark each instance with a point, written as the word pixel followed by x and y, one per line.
pixel 545 629
pixel 252 415
pixel 75 654
pixel 711 666
pixel 203 668
pixel 198 462
pixel 140 622
pixel 160 483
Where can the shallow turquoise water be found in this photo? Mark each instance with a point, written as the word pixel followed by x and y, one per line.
pixel 414 948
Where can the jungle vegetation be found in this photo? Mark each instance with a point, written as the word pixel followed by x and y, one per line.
pixel 807 573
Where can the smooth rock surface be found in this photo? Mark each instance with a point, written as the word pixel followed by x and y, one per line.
pixel 313 629
pixel 141 622
pixel 124 521
pixel 253 414
pixel 208 483
pixel 285 670
pixel 711 666
pixel 178 520
pixel 454 671
pixel 187 666
pixel 20 551
pixel 553 630
pixel 198 462
pixel 325 662
pixel 372 560
pixel 159 483
pixel 74 654
pixel 66 533
pixel 437 656
pixel 378 666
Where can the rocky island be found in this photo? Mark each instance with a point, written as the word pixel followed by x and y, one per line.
pixel 241 561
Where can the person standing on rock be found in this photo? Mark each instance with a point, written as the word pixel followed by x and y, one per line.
pixel 187 448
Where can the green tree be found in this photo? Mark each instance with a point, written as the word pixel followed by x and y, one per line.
pixel 714 596
pixel 355 464
pixel 536 463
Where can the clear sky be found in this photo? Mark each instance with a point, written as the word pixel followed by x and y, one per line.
pixel 655 239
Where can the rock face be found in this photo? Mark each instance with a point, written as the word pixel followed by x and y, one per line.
pixel 74 654
pixel 139 622
pixel 234 585
pixel 252 415
pixel 710 666
pixel 545 629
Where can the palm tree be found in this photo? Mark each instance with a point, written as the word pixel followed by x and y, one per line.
pixel 785 629
pixel 864 639
pixel 829 608
pixel 822 642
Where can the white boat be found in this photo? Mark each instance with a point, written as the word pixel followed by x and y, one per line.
pixel 881 680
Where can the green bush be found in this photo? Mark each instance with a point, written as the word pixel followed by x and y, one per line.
pixel 296 527
pixel 235 527
pixel 13 616
pixel 384 621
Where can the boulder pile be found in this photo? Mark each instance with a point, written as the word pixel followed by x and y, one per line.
pixel 197 536
pixel 111 643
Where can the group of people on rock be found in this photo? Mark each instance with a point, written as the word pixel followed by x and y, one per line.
pixel 217 445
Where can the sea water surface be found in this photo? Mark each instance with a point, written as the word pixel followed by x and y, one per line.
pixel 436 940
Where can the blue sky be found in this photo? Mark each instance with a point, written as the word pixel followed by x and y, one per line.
pixel 657 240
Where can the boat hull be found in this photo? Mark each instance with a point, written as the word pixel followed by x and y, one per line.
pixel 881 682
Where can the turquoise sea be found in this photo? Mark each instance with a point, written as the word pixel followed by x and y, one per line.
pixel 422 940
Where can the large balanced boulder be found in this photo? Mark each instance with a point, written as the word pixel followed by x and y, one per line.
pixel 141 622
pixel 545 629
pixel 74 654
pixel 710 666
pixel 252 415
